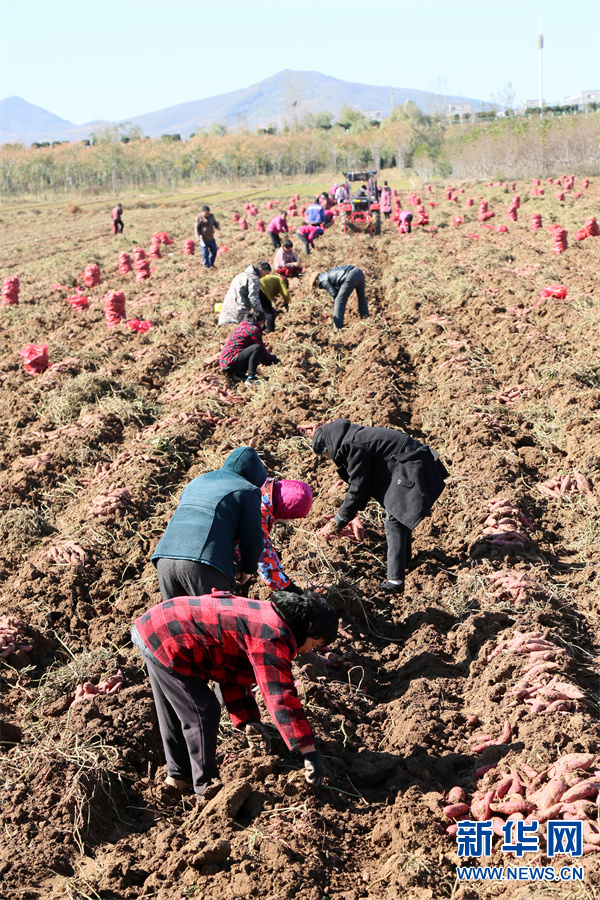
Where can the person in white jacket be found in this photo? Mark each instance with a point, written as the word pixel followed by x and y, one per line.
pixel 242 300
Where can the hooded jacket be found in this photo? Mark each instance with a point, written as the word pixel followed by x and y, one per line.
pixel 215 511
pixel 242 298
pixel 404 476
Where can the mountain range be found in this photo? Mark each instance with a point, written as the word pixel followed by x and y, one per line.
pixel 282 99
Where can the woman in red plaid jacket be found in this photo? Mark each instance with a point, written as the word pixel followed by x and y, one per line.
pixel 238 643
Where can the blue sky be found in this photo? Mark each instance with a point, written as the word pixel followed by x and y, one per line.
pixel 98 59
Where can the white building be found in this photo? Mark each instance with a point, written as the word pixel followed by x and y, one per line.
pixel 582 99
pixel 460 109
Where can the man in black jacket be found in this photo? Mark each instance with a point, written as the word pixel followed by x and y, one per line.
pixel 340 282
pixel 382 464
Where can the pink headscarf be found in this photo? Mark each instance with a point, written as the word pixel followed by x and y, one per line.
pixel 291 499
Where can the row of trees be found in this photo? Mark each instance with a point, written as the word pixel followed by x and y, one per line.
pixel 406 139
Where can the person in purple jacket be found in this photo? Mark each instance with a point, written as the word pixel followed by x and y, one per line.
pixel 385 201
pixel 405 222
pixel 277 226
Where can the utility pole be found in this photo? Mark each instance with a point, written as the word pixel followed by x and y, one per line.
pixel 391 100
pixel 540 43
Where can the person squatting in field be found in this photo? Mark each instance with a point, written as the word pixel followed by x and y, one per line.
pixel 280 501
pixel 272 286
pixel 276 227
pixel 242 300
pixel 340 282
pixel 117 220
pixel 217 511
pixel 244 350
pixel 307 234
pixel 286 261
pixel 237 643
pixel 204 229
pixel 402 475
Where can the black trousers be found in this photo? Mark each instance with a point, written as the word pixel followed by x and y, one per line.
pixel 269 311
pixel 186 578
pixel 188 718
pixel 275 239
pixel 247 361
pixel 399 548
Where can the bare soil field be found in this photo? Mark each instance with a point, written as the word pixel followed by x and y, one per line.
pixel 96 451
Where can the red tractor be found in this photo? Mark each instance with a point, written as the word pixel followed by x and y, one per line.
pixel 361 211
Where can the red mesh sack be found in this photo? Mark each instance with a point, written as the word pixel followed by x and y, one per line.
pixel 490 184
pixel 469 201
pixel 592 229
pixel 114 308
pixel 189 247
pixel 394 193
pixel 577 195
pixel 512 213
pixel 580 235
pixel 557 291
pixel 536 182
pixel 222 249
pixel 91 275
pixel 448 195
pixel 142 269
pixel 428 188
pixel 164 238
pixel 247 206
pixel 483 206
pixel 585 184
pixel 551 181
pixel 501 229
pixel 124 263
pixel 559 239
pixel 535 221
pixel 457 220
pixel 432 203
pixel 10 291
pixel 78 302
pixel 513 185
pixel 235 218
pixel 259 225
pixel 296 197
pixel 423 217
pixel 269 204
pixel 243 224
pixel 155 250
pixel 139 327
pixel 560 197
pixel 139 253
pixel 568 182
pixel 303 209
pixel 483 217
pixel 35 358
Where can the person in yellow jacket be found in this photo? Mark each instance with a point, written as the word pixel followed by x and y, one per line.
pixel 272 286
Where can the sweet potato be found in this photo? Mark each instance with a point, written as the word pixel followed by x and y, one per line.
pixel 455 809
pixel 570 762
pixel 582 791
pixel 503 787
pixel 551 793
pixel 456 795
pixel 516 805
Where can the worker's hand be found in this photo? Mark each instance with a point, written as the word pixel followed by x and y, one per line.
pixel 313 768
pixel 243 577
pixel 274 359
pixel 258 736
pixel 328 530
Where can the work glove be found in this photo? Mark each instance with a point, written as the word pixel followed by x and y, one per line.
pixel 258 736
pixel 274 359
pixel 313 768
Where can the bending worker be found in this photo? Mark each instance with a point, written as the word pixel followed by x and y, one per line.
pixel 216 511
pixel 340 282
pixel 238 643
pixel 386 465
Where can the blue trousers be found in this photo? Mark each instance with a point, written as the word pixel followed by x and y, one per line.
pixel 209 252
